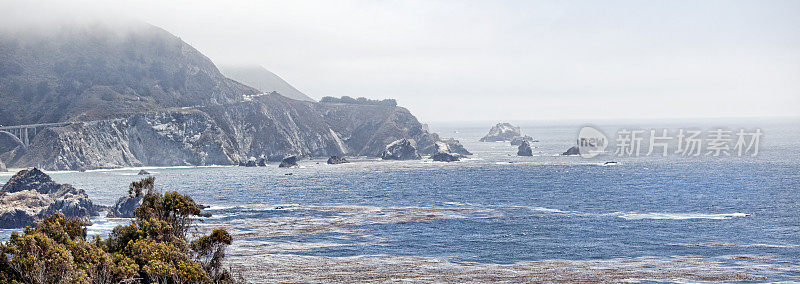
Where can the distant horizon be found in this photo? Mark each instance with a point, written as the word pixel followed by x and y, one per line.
pixel 615 119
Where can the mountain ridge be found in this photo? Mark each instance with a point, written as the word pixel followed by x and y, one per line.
pixel 88 72
pixel 258 77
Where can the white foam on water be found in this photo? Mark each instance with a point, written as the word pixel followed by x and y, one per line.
pixel 680 216
pixel 734 245
pixel 103 225
pixel 644 216
pixel 219 207
pixel 551 210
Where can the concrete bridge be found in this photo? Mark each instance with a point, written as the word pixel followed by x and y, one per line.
pixel 23 134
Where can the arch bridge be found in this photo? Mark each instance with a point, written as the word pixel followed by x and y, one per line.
pixel 23 134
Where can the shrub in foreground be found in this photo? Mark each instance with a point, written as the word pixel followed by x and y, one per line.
pixel 152 249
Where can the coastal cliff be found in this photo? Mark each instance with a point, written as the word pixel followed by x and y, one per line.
pixel 269 126
pixel 141 96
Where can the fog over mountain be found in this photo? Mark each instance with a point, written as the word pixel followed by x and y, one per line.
pixel 134 94
pixel 262 79
pixel 89 71
pixel 497 60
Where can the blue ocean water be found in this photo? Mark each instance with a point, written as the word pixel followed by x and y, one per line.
pixel 498 208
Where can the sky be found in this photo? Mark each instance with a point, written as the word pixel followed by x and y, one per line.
pixel 503 60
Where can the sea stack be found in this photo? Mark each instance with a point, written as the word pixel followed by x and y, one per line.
pixel 288 162
pixel 574 150
pixel 516 141
pixel 444 157
pixel 456 147
pixel 524 149
pixel 335 160
pixel 402 149
pixel 125 206
pixel 501 132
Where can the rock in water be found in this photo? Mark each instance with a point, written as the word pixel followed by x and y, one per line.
pixel 501 132
pixel 574 150
pixel 251 163
pixel 143 173
pixel 262 162
pixel 524 149
pixel 287 162
pixel 15 218
pixel 441 147
pixel 456 147
pixel 31 195
pixel 334 160
pixel 402 149
pixel 444 157
pixel 124 206
pixel 516 141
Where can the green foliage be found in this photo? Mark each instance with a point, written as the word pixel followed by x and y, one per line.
pixel 173 208
pixel 137 187
pixel 152 249
pixel 210 251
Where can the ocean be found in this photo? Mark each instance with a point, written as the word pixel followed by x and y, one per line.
pixel 497 217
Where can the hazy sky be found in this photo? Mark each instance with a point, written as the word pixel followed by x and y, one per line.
pixel 507 60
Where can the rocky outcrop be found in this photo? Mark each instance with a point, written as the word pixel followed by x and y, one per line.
pixel 441 147
pixel 269 126
pixel 524 149
pixel 143 173
pixel 31 195
pixel 445 153
pixel 274 127
pixel 402 149
pixel 253 162
pixel 174 138
pixel 124 206
pixel 288 162
pixel 455 147
pixel 574 150
pixel 16 218
pixel 366 130
pixel 501 132
pixel 444 157
pixel 250 163
pixel 516 141
pixel 335 160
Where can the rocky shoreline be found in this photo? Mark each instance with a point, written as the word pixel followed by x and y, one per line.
pixel 271 127
pixel 31 195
